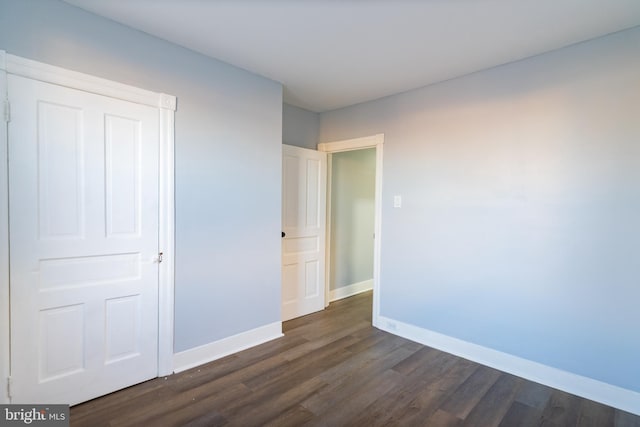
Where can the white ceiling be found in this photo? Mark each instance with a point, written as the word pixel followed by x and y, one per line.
pixel 329 53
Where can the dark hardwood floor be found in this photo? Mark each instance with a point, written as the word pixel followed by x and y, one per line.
pixel 334 369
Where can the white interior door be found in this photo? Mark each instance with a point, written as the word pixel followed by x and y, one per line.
pixel 303 222
pixel 83 184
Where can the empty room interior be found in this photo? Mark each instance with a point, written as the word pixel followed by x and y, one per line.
pixel 321 213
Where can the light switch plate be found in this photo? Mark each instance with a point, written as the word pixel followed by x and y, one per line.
pixel 397 201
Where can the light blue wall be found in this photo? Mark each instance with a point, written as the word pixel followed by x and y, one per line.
pixel 353 185
pixel 300 127
pixel 228 159
pixel 519 229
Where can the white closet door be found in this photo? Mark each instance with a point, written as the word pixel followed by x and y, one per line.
pixel 304 189
pixel 83 183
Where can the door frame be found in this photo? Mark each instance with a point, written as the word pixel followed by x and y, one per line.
pixel 166 105
pixel 373 141
pixel 4 238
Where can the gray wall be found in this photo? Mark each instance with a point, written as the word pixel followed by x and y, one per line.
pixel 300 127
pixel 353 184
pixel 519 228
pixel 228 159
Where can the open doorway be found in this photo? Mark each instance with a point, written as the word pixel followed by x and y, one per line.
pixel 350 220
pixel 354 181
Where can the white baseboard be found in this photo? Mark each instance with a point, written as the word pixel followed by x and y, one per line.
pixel 624 399
pixel 350 290
pixel 206 353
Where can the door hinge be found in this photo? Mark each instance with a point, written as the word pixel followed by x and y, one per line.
pixel 9 383
pixel 160 257
pixel 7 111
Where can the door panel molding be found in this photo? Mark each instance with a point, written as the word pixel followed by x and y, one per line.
pixel 377 142
pixel 166 105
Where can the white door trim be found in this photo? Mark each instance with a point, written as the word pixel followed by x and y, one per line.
pixel 166 105
pixel 166 241
pixel 4 238
pixel 374 141
pixel 72 79
pixel 327 240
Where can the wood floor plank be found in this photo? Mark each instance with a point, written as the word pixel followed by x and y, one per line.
pixel 369 340
pixel 295 416
pixel 401 402
pixel 268 406
pixel 443 419
pixel 332 368
pixel 422 407
pixel 124 401
pixel 534 395
pixel 210 419
pixel 451 379
pixel 436 367
pixel 387 409
pixel 205 373
pixel 467 396
pixel 353 382
pixel 236 377
pixel 357 362
pixel 182 408
pixel 521 415
pixel 327 338
pixel 430 399
pixel 419 358
pixel 495 403
pixel 593 414
pixel 561 410
pixel 271 348
pixel 625 419
pixel 313 361
pixel 346 409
